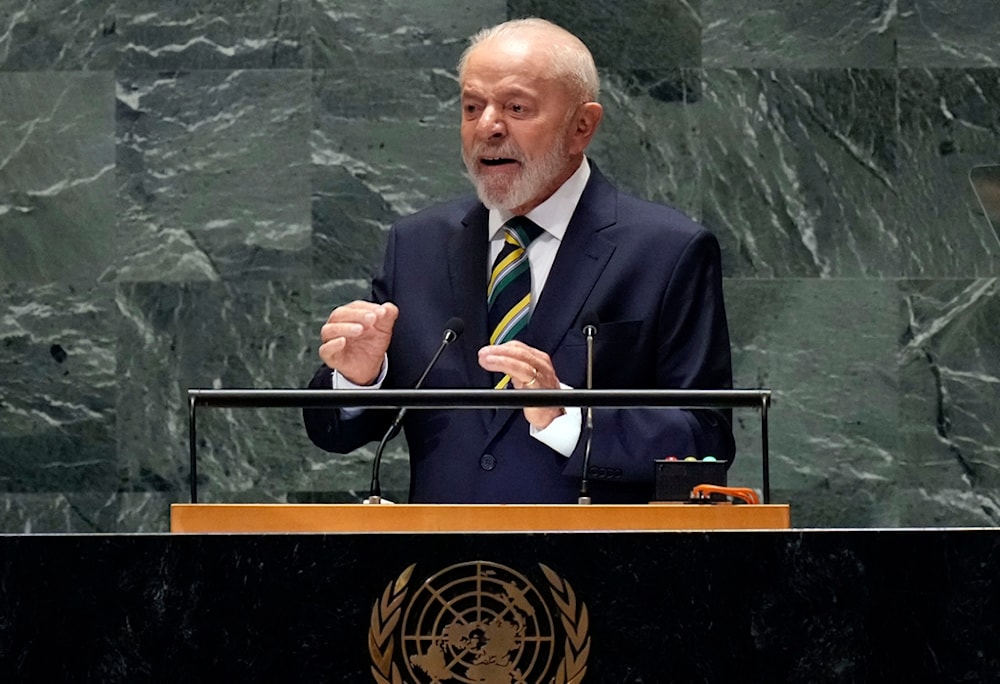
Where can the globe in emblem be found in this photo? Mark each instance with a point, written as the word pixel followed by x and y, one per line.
pixel 478 623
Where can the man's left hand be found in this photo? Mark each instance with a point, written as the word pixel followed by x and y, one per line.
pixel 528 368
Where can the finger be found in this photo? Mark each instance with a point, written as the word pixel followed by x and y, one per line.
pixel 530 382
pixel 520 372
pixel 354 319
pixel 506 352
pixel 514 348
pixel 386 316
pixel 329 350
pixel 521 352
pixel 391 311
pixel 499 362
pixel 358 311
pixel 332 331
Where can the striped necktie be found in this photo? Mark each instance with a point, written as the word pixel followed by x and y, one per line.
pixel 509 290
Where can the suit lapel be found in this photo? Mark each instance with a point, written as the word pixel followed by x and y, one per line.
pixel 581 259
pixel 467 255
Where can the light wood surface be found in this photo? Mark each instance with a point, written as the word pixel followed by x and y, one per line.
pixel 473 518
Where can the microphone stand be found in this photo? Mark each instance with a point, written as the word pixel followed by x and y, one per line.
pixel 590 330
pixel 453 329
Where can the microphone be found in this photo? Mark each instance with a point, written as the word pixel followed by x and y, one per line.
pixel 452 331
pixel 589 331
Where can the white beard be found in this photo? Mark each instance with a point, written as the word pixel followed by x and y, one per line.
pixel 534 176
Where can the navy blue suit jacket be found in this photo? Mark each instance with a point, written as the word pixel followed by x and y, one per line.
pixel 653 278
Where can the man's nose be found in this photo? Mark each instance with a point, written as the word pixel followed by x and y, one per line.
pixel 492 124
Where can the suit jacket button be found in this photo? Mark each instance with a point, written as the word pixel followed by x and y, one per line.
pixel 487 462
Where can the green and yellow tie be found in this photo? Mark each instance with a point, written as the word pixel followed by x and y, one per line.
pixel 509 290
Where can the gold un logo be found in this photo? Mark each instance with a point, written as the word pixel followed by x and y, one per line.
pixel 478 623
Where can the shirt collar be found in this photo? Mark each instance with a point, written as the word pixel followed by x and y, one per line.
pixel 554 214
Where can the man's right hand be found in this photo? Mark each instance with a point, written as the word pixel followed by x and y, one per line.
pixel 355 339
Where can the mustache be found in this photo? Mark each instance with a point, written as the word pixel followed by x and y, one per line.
pixel 505 151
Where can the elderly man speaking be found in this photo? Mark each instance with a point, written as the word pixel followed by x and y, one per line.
pixel 546 242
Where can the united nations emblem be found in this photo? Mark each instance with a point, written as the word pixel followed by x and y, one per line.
pixel 478 623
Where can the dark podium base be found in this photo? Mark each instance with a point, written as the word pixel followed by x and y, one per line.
pixel 784 606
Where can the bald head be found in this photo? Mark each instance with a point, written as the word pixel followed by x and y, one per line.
pixel 570 62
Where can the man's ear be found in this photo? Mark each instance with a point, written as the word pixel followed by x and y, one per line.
pixel 586 120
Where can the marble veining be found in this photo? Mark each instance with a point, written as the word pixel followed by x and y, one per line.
pixel 216 35
pixel 41 35
pixel 186 191
pixel 56 177
pixel 251 134
pixel 959 33
pixel 810 35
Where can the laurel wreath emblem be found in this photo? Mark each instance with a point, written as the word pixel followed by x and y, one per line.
pixel 388 609
pixel 385 617
pixel 575 622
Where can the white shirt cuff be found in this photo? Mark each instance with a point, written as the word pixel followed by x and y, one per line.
pixel 339 382
pixel 563 433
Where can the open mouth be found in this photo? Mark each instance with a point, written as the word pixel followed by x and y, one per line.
pixel 496 161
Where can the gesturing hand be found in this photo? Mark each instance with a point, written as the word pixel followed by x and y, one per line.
pixel 528 368
pixel 355 337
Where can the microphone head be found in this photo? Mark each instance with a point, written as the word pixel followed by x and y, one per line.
pixel 589 320
pixel 454 328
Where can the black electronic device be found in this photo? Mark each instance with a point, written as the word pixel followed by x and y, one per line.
pixel 675 478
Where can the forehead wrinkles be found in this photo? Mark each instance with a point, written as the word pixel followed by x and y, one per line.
pixel 508 84
pixel 504 90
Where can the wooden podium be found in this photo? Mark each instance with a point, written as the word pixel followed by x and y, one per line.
pixel 250 518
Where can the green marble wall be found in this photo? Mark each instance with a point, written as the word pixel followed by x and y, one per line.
pixel 186 189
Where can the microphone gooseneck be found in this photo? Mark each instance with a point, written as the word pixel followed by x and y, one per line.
pixel 589 331
pixel 452 331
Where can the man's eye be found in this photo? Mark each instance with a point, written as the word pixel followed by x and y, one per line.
pixel 516 108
